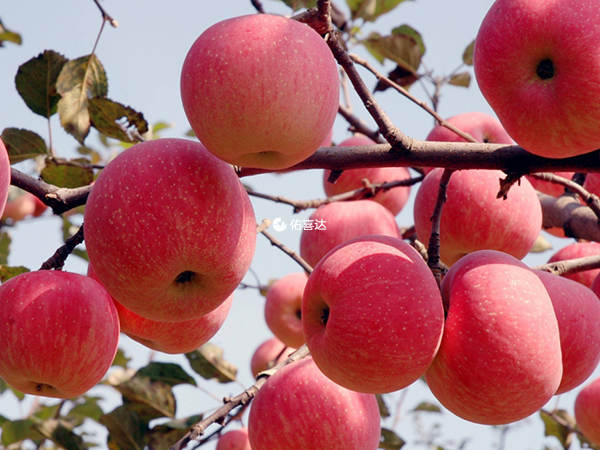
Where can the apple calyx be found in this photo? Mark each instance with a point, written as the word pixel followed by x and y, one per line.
pixel 545 69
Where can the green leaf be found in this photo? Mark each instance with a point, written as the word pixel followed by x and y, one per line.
pixel 299 4
pixel 59 432
pixel 79 80
pixel 190 133
pixel 8 272
pixel 120 359
pixel 68 174
pixel 116 120
pixel 44 412
pixel 5 241
pixel 404 47
pixel 89 409
pixel 36 82
pixel 9 36
pixel 150 399
pixel 370 10
pixel 468 54
pixel 169 373
pixel 460 79
pixel 209 363
pixel 4 386
pixel 407 30
pixel 80 253
pixel 23 144
pixel 390 440
pixel 162 437
pixel 126 431
pixel 383 408
pixel 19 430
pixel 553 428
pixel 429 407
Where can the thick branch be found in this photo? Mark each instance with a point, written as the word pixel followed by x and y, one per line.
pixel 569 266
pixel 568 213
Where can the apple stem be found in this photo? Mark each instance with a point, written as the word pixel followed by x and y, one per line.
pixel 433 250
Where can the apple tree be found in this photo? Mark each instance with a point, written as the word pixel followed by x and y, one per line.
pixel 340 251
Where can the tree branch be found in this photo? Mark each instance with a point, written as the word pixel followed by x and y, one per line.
pixel 568 213
pixel 569 266
pixel 105 16
pixel 295 256
pixel 433 250
pixel 57 261
pixel 358 126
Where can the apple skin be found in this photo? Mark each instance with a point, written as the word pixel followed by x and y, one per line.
pixel 301 408
pixel 170 337
pixel 577 311
pixel 272 350
pixel 474 219
pixel 283 306
pixel 4 175
pixel 587 411
pixel 368 325
pixel 234 440
pixel 482 126
pixel 59 333
pixel 21 205
pixel 344 221
pixel 284 114
pixel 394 199
pixel 500 357
pixel 549 114
pixel 169 229
pixel 579 250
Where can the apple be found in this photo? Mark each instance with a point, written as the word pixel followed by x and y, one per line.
pixel 300 408
pixel 272 351
pixel 500 357
pixel 579 250
pixel 482 126
pixel 4 174
pixel 59 333
pixel 283 309
pixel 344 221
pixel 21 204
pixel 372 315
pixel 577 310
pixel 587 411
pixel 529 59
pixel 260 90
pixel 169 229
pixel 474 219
pixel 170 337
pixel 234 440
pixel 394 199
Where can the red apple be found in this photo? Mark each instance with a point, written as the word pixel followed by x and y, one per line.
pixel 482 126
pixel 300 408
pixel 474 219
pixel 4 174
pixel 369 324
pixel 344 221
pixel 283 309
pixel 577 310
pixel 260 90
pixel 234 440
pixel 170 337
pixel 587 411
pixel 579 250
pixel 271 351
pixel 394 199
pixel 169 229
pixel 500 357
pixel 529 59
pixel 59 333
pixel 19 205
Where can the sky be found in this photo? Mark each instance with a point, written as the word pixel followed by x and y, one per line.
pixel 143 59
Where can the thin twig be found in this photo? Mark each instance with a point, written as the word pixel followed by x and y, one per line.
pixel 105 16
pixel 358 126
pixel 433 250
pixel 258 6
pixel 57 261
pixel 295 256
pixel 570 266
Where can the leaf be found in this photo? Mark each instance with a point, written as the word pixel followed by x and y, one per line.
pixel 404 78
pixel 79 80
pixel 390 440
pixel 116 120
pixel 68 174
pixel 460 79
pixel 404 47
pixel 208 362
pixel 553 428
pixel 89 409
pixel 5 241
pixel 429 407
pixel 44 412
pixel 4 386
pixel 169 373
pixel 9 36
pixel 126 431
pixel 120 359
pixel 150 399
pixel 370 10
pixel 19 430
pixel 81 254
pixel 383 408
pixel 8 272
pixel 36 82
pixel 59 432
pixel 541 244
pixel 23 144
pixel 162 437
pixel 468 54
